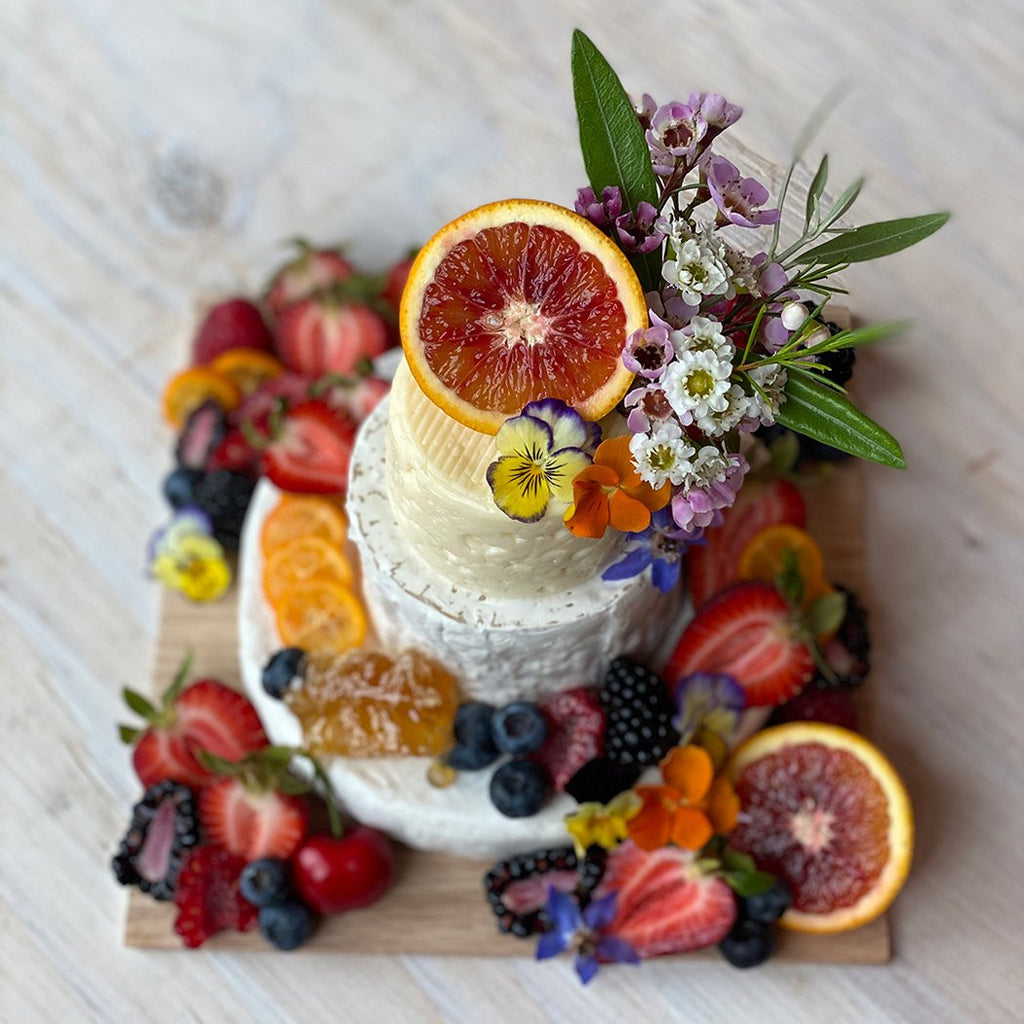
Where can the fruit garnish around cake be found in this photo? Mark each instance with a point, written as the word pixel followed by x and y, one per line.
pixel 203 716
pixel 297 516
pixel 163 829
pixel 366 704
pixel 208 897
pixel 824 811
pixel 321 615
pixel 518 301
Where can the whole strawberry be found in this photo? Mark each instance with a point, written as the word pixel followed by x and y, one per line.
pixel 206 716
pixel 312 270
pixel 236 323
pixel 328 333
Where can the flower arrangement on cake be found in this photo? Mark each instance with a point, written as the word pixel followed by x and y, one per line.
pixel 548 596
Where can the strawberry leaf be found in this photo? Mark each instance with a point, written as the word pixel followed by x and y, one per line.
pixel 128 734
pixel 752 884
pixel 139 704
pixel 180 678
pixel 827 613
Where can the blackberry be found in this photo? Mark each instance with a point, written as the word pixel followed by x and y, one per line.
pixel 848 653
pixel 601 780
pixel 840 362
pixel 517 893
pixel 640 712
pixel 163 830
pixel 224 496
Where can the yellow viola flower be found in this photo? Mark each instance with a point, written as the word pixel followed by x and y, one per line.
pixel 185 557
pixel 541 452
pixel 595 824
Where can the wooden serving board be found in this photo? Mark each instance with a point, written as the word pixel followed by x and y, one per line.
pixel 436 905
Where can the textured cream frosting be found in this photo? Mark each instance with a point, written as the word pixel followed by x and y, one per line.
pixel 437 485
pixel 500 646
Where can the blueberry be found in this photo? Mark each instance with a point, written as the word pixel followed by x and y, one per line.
pixel 286 925
pixel 519 728
pixel 474 744
pixel 748 944
pixel 281 670
pixel 519 788
pixel 180 487
pixel 265 882
pixel 767 906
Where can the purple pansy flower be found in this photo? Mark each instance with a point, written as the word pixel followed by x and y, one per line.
pixel 584 933
pixel 675 133
pixel 660 546
pixel 648 352
pixel 600 212
pixel 711 702
pixel 638 231
pixel 738 199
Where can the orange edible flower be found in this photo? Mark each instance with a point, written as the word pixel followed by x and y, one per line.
pixel 692 806
pixel 612 493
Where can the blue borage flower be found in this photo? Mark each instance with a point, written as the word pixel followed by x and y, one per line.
pixel 584 933
pixel 660 546
pixel 542 450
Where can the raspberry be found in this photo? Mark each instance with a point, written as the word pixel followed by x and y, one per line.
pixel 208 898
pixel 640 711
pixel 575 733
pixel 813 705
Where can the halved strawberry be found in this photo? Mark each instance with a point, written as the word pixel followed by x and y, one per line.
pixel 750 632
pixel 664 905
pixel 286 389
pixel 575 733
pixel 250 820
pixel 356 396
pixel 713 565
pixel 208 897
pixel 326 334
pixel 310 271
pixel 312 451
pixel 204 716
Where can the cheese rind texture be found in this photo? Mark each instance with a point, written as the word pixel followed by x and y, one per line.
pixel 500 647
pixel 437 484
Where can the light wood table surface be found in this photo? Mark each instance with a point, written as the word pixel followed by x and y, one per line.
pixel 156 153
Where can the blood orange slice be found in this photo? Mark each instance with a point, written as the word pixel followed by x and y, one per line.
pixel 517 301
pixel 824 810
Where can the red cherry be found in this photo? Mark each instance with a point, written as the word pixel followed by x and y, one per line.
pixel 335 875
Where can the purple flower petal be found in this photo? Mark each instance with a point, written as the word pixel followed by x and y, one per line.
pixel 665 575
pixel 586 967
pixel 551 944
pixel 600 913
pixel 632 565
pixel 616 950
pixel 564 913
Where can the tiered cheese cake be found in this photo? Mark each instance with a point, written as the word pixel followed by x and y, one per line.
pixel 513 610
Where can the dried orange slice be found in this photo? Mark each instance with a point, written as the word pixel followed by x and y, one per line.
pixel 186 391
pixel 765 557
pixel 824 810
pixel 298 516
pixel 321 616
pixel 307 560
pixel 516 301
pixel 247 368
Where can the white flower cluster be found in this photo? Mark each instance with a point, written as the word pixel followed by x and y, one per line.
pixel 698 388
